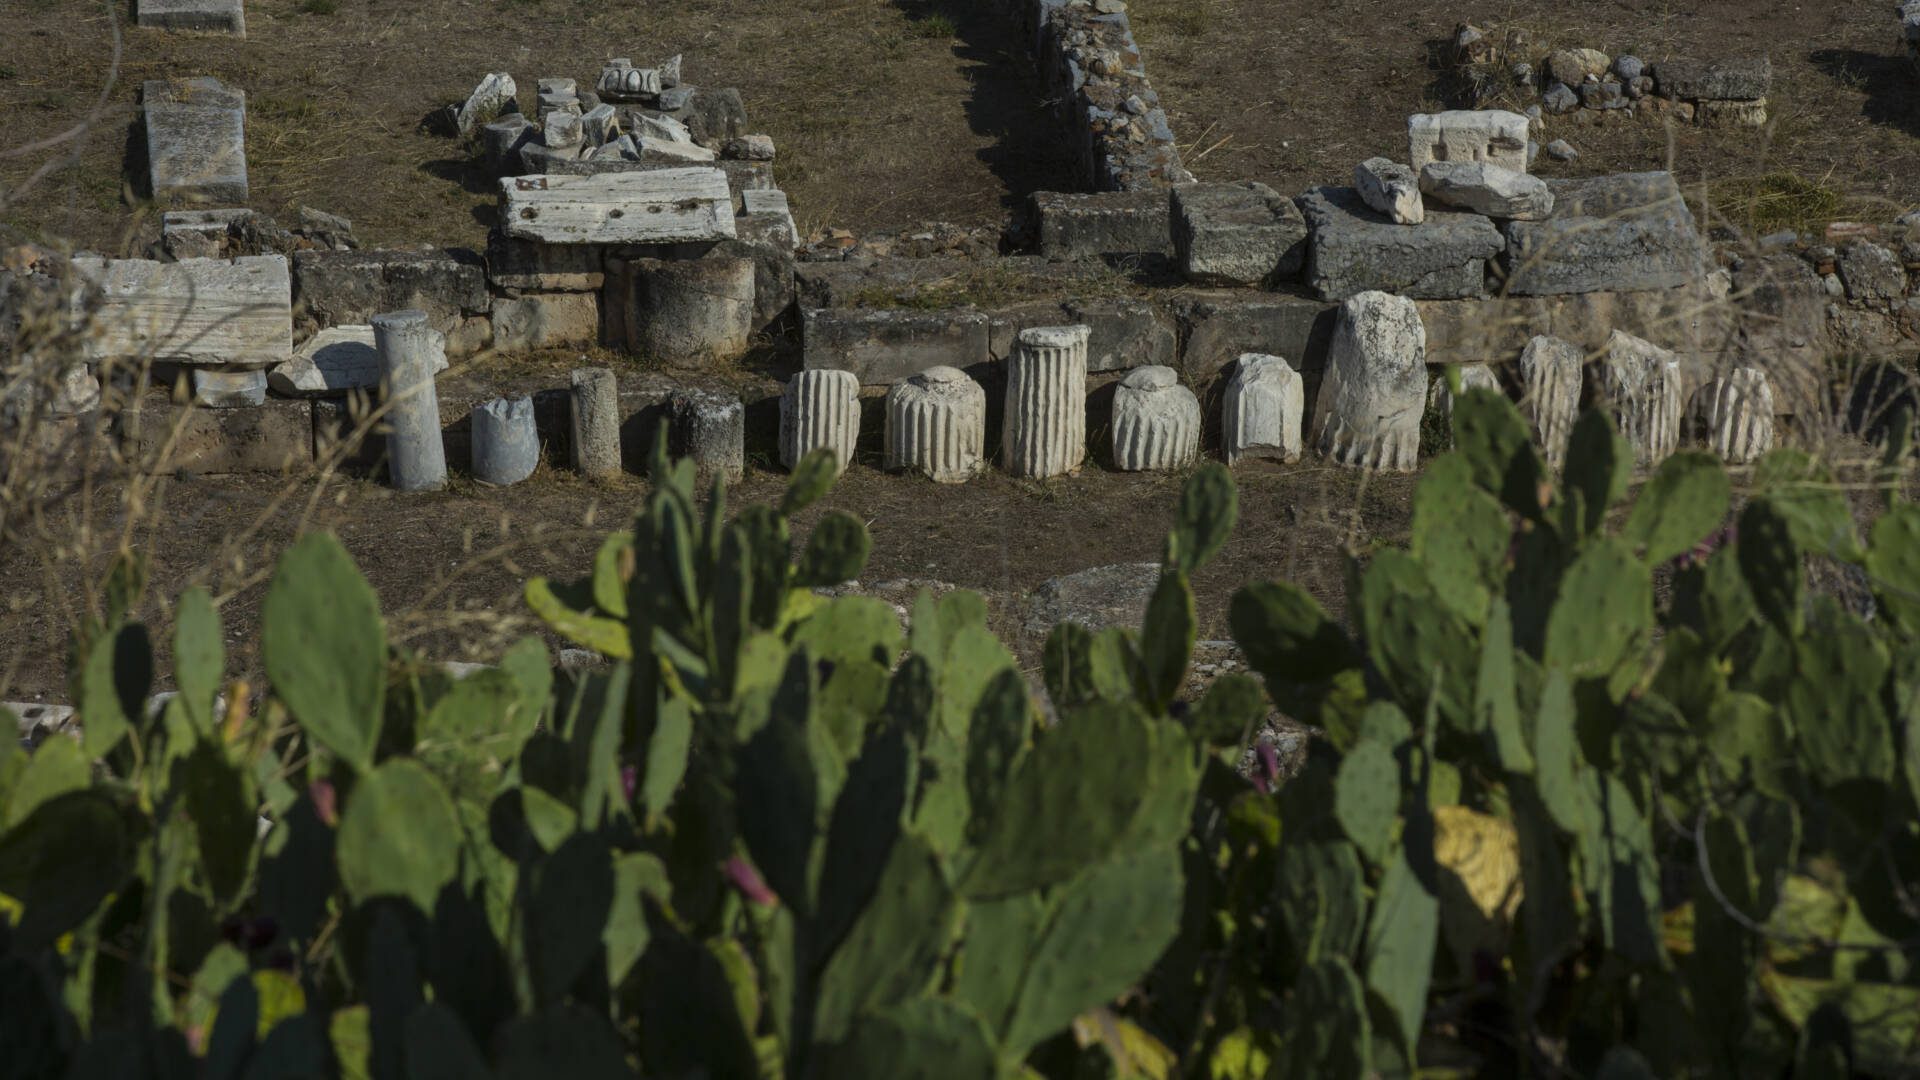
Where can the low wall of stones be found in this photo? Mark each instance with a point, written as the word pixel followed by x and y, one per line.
pixel 1112 119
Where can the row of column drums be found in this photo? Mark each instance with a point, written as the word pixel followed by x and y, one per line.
pixel 936 421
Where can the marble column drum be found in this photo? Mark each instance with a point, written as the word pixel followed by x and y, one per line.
pixel 937 425
pixel 1046 422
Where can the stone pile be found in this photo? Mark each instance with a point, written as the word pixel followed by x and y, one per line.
pixel 1588 83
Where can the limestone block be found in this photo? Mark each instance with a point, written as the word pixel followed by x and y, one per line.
pixel 1487 189
pixel 1156 422
pixel 210 16
pixel 1491 135
pixel 234 313
pixel 595 411
pixel 710 429
pixel 885 346
pixel 648 127
pixel 1390 188
pixel 1641 384
pixel 674 151
pixel 1550 379
pixel 1104 224
pixel 937 425
pixel 1236 234
pixel 1045 431
pixel 1871 273
pixel 1357 249
pixel 348 288
pixel 1628 231
pixel 1219 328
pixel 222 389
pixel 768 239
pixel 1374 392
pixel 557 93
pixel 682 310
pixel 530 265
pixel 410 350
pixel 506 443
pixel 662 206
pixel 545 321
pixel 196 140
pixel 1739 408
pixel 1720 80
pixel 600 125
pixel 1472 377
pixel 1124 333
pixel 503 141
pixel 276 437
pixel 1751 114
pixel 820 409
pixel 487 102
pixel 562 129
pixel 749 148
pixel 769 202
pixel 1261 410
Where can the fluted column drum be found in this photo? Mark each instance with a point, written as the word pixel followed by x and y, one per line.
pixel 820 409
pixel 1156 421
pixel 1046 424
pixel 937 425
pixel 1740 415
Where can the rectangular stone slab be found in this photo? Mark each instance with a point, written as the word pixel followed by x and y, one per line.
pixel 1355 248
pixel 665 206
pixel 196 311
pixel 886 346
pixel 1102 224
pixel 213 16
pixel 1614 233
pixel 196 141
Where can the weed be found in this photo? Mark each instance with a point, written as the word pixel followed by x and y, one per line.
pixel 937 26
pixel 1777 200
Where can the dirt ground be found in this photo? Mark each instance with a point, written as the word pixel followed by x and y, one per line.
pixel 1295 92
pixel 448 566
pixel 891 113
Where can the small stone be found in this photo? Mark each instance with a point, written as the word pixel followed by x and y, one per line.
pixel 1109 7
pixel 1831 283
pixel 1390 188
pixel 1134 105
pixel 1487 189
pixel 749 148
pixel 676 98
pixel 1639 87
pixel 1521 73
pixel 1534 114
pixel 1871 273
pixel 1560 98
pixel 1471 45
pixel 1561 150
pixel 1628 68
pixel 1533 152
pixel 1573 66
pixel 1603 95
pixel 1784 239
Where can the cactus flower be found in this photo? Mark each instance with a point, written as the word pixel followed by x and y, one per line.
pixel 746 878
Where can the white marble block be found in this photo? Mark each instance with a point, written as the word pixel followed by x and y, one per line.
pixel 1375 389
pixel 1494 136
pixel 1046 423
pixel 1391 188
pixel 937 425
pixel 1739 408
pixel 1156 421
pixel 1640 382
pixel 820 409
pixel 1550 370
pixel 1261 410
